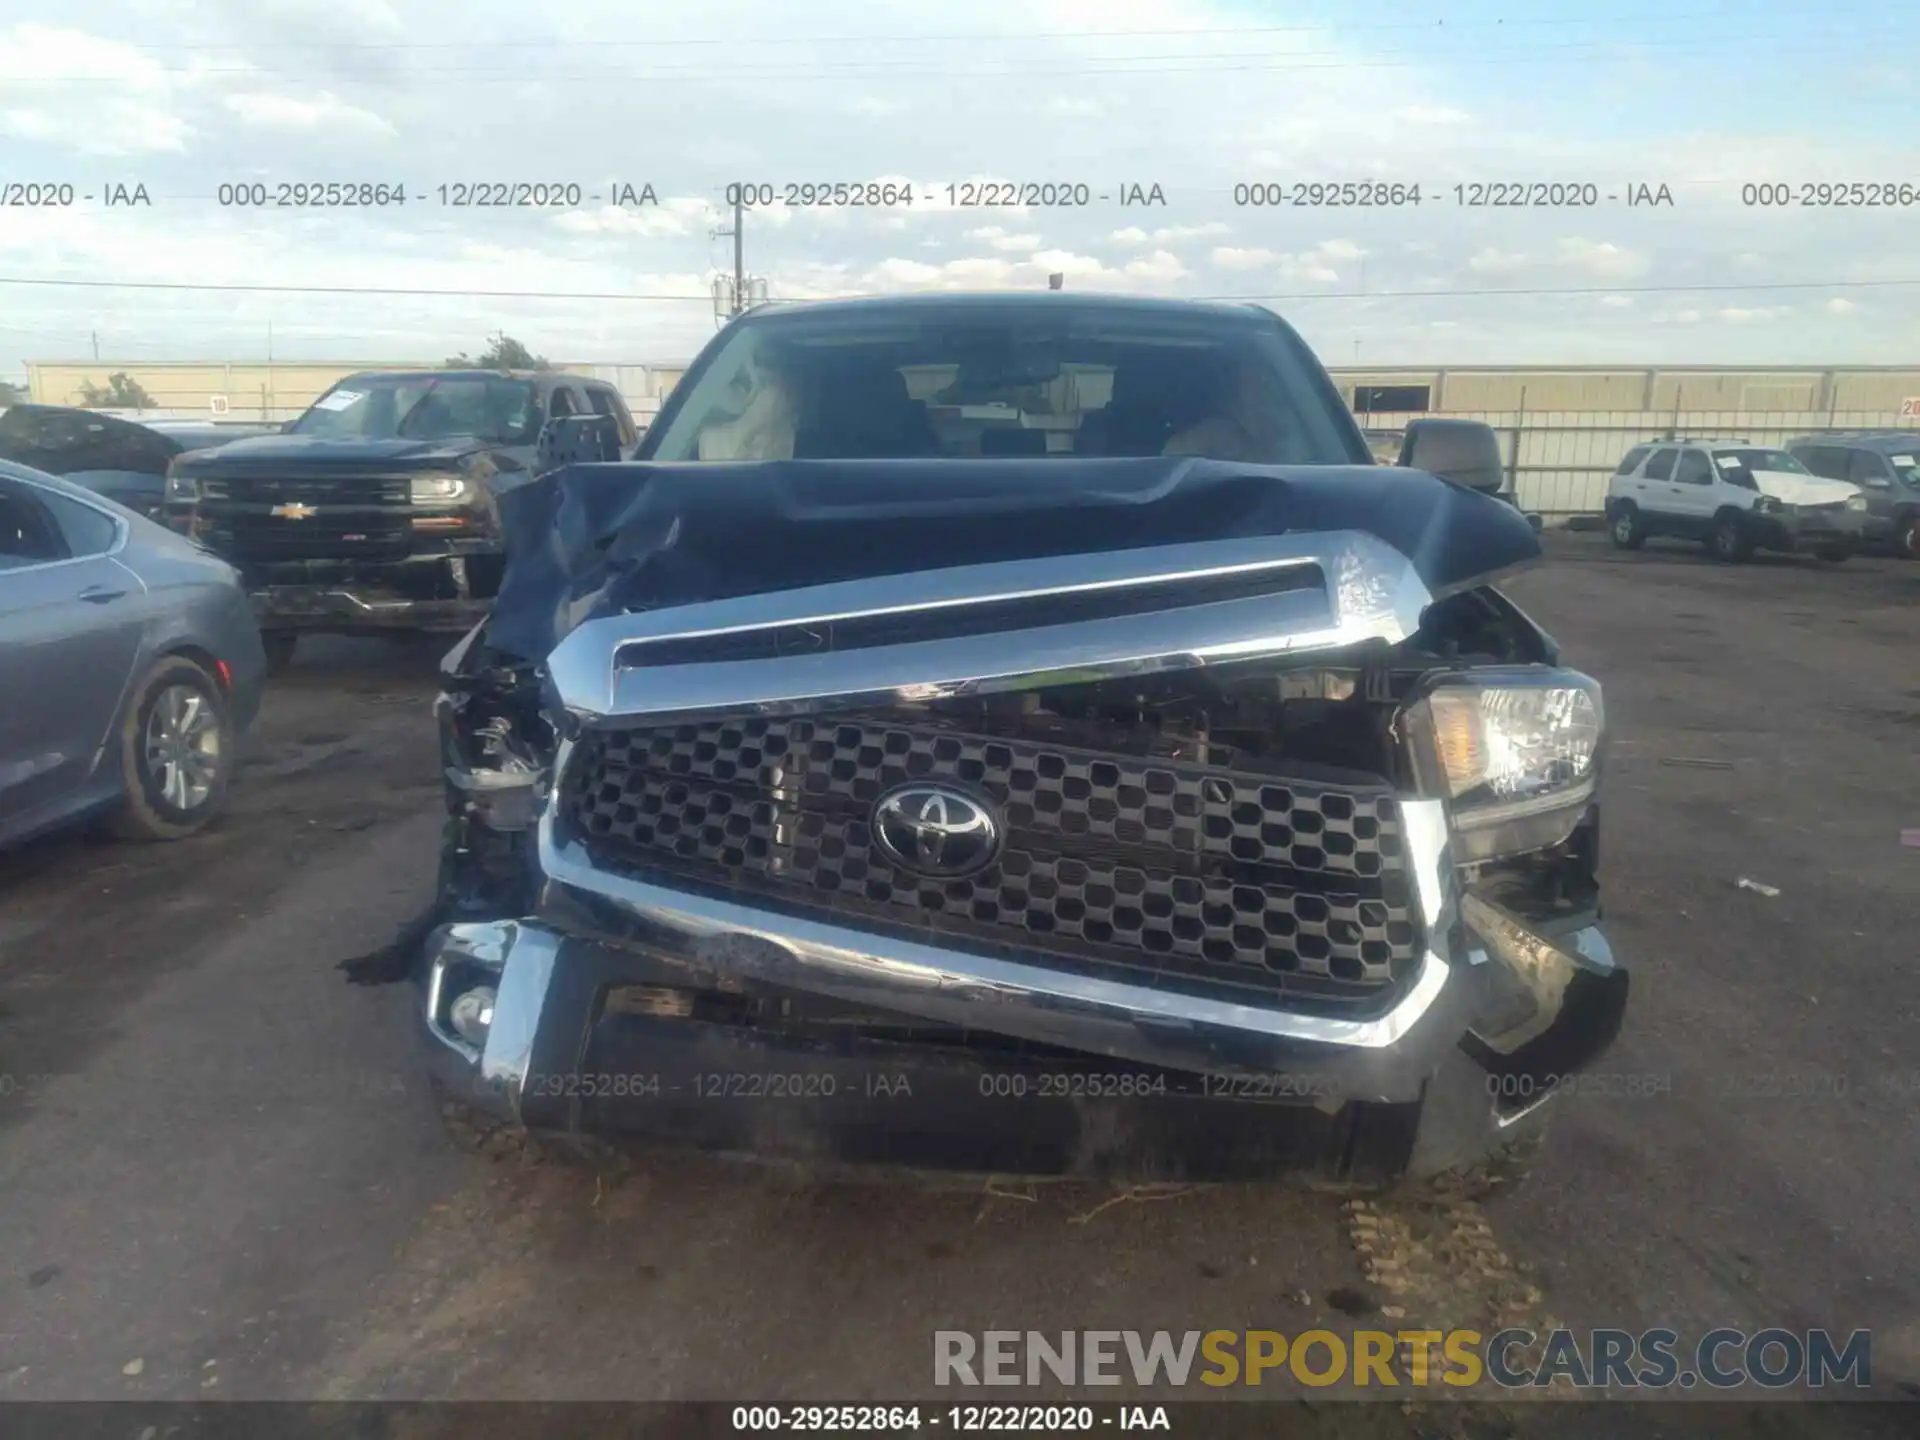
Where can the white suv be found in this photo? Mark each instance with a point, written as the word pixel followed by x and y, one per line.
pixel 1735 496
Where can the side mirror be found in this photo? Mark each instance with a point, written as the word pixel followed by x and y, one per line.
pixel 1467 452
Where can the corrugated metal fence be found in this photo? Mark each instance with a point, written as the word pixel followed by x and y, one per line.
pixel 1558 461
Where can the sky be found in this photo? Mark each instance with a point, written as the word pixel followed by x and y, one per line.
pixel 1201 98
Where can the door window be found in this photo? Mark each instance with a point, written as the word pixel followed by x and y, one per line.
pixel 87 531
pixel 607 404
pixel 29 534
pixel 1867 468
pixel 1660 467
pixel 561 405
pixel 1694 469
pixel 1633 459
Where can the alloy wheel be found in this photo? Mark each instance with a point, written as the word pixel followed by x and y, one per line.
pixel 183 747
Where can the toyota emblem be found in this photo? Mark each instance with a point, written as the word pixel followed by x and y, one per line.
pixel 935 830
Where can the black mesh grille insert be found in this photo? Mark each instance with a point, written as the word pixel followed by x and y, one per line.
pixel 1180 868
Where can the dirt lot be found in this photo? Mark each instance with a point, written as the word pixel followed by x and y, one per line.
pixel 222 1176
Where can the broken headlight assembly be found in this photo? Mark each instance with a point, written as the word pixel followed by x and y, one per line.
pixel 1515 754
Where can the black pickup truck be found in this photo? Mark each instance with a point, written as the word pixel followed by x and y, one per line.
pixel 376 511
pixel 1019 734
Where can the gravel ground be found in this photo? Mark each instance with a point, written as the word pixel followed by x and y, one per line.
pixel 223 1177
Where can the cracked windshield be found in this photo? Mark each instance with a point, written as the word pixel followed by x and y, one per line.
pixel 1172 715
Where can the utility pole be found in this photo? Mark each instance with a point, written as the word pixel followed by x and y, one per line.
pixel 741 286
pixel 96 343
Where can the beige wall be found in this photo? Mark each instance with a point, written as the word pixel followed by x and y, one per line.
pixel 1600 388
pixel 256 390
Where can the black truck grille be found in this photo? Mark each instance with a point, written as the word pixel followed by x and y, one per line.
pixel 324 517
pixel 1281 885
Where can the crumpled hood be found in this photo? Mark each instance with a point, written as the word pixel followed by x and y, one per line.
pixel 1794 489
pixel 587 541
pixel 314 451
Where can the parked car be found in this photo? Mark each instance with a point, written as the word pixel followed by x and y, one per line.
pixel 130 664
pixel 842 780
pixel 1885 467
pixel 374 512
pixel 1736 497
pixel 124 460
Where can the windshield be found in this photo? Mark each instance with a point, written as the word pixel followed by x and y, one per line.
pixel 1015 383
pixel 1747 459
pixel 426 407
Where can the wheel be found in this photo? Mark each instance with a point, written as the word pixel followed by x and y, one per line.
pixel 1729 540
pixel 176 751
pixel 1906 538
pixel 1627 531
pixel 279 645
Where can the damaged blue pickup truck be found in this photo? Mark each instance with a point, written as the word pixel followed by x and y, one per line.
pixel 1023 735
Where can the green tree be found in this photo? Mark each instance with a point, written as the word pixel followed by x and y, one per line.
pixel 11 394
pixel 503 352
pixel 121 392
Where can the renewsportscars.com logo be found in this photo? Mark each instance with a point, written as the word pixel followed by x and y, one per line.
pixel 1653 1359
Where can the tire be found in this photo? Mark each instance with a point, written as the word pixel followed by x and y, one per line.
pixel 1626 529
pixel 1906 538
pixel 279 645
pixel 176 750
pixel 1728 540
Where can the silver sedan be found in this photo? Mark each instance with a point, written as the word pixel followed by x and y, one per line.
pixel 130 666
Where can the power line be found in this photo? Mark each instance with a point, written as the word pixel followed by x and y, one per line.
pixel 1444 294
pixel 1582 50
pixel 1015 37
pixel 351 290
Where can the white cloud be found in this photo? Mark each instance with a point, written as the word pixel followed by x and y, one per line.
pixel 1494 261
pixel 1602 259
pixel 1617 302
pixel 88 94
pixel 1161 265
pixel 1231 257
pixel 325 111
pixel 1746 314
pixel 999 239
pixel 896 271
pixel 1078 107
pixel 1432 115
pixel 1132 235
pixel 1339 250
pixel 674 215
pixel 1840 305
pixel 1171 234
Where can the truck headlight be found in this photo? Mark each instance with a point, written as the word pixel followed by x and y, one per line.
pixel 438 489
pixel 1856 502
pixel 1768 505
pixel 1515 753
pixel 181 487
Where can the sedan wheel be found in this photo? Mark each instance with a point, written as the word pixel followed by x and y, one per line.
pixel 184 749
pixel 177 751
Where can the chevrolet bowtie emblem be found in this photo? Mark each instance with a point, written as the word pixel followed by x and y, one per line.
pixel 294 512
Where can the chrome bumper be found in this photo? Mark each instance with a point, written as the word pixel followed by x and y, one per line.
pixel 1486 979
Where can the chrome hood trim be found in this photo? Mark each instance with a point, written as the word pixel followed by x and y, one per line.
pixel 1369 590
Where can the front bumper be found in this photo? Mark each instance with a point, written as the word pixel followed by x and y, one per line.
pixel 1811 529
pixel 628 1011
pixel 431 593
